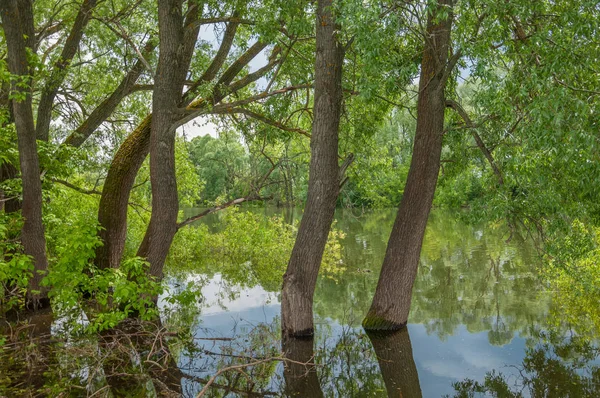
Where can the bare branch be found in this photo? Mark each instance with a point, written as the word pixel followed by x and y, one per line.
pixel 263 119
pixel 76 188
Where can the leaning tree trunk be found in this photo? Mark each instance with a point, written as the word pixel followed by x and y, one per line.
pixel 395 357
pixel 32 237
pixel 168 86
pixel 112 212
pixel 323 185
pixel 391 304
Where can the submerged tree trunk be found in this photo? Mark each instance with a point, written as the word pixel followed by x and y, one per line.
pixel 16 27
pixel 395 357
pixel 323 186
pixel 391 304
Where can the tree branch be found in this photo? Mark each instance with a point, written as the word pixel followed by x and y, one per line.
pixel 211 72
pixel 343 167
pixel 219 207
pixel 241 62
pixel 261 118
pixel 450 67
pixel 107 107
pixel 469 123
pixel 59 72
pixel 76 188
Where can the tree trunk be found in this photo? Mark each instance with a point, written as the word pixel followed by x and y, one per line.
pixel 112 212
pixel 300 380
pixel 168 87
pixel 34 242
pixel 395 357
pixel 391 304
pixel 323 186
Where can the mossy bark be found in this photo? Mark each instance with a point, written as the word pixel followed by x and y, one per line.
pixel 112 213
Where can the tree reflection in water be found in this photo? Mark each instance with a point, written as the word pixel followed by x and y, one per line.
pixel 395 357
pixel 300 372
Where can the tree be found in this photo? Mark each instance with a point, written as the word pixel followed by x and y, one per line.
pixel 391 303
pixel 177 42
pixel 323 184
pixel 203 97
pixel 17 21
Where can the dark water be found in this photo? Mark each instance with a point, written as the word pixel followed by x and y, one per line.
pixel 478 324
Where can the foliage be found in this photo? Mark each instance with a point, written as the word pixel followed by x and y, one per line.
pixel 72 277
pixel 15 267
pixel 247 249
pixel 222 163
pixel 573 273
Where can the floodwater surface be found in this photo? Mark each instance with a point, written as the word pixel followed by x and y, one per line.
pixel 479 324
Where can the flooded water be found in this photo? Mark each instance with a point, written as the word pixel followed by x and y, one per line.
pixel 478 324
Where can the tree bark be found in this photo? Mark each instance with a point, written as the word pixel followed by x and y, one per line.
pixel 112 211
pixel 34 242
pixel 395 357
pixel 9 171
pixel 391 303
pixel 323 186
pixel 168 87
pixel 301 379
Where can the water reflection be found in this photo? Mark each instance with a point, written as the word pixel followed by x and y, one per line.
pixel 477 326
pixel 300 370
pixel 557 366
pixel 395 357
pixel 477 306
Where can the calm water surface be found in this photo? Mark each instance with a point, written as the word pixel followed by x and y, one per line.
pixel 478 309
